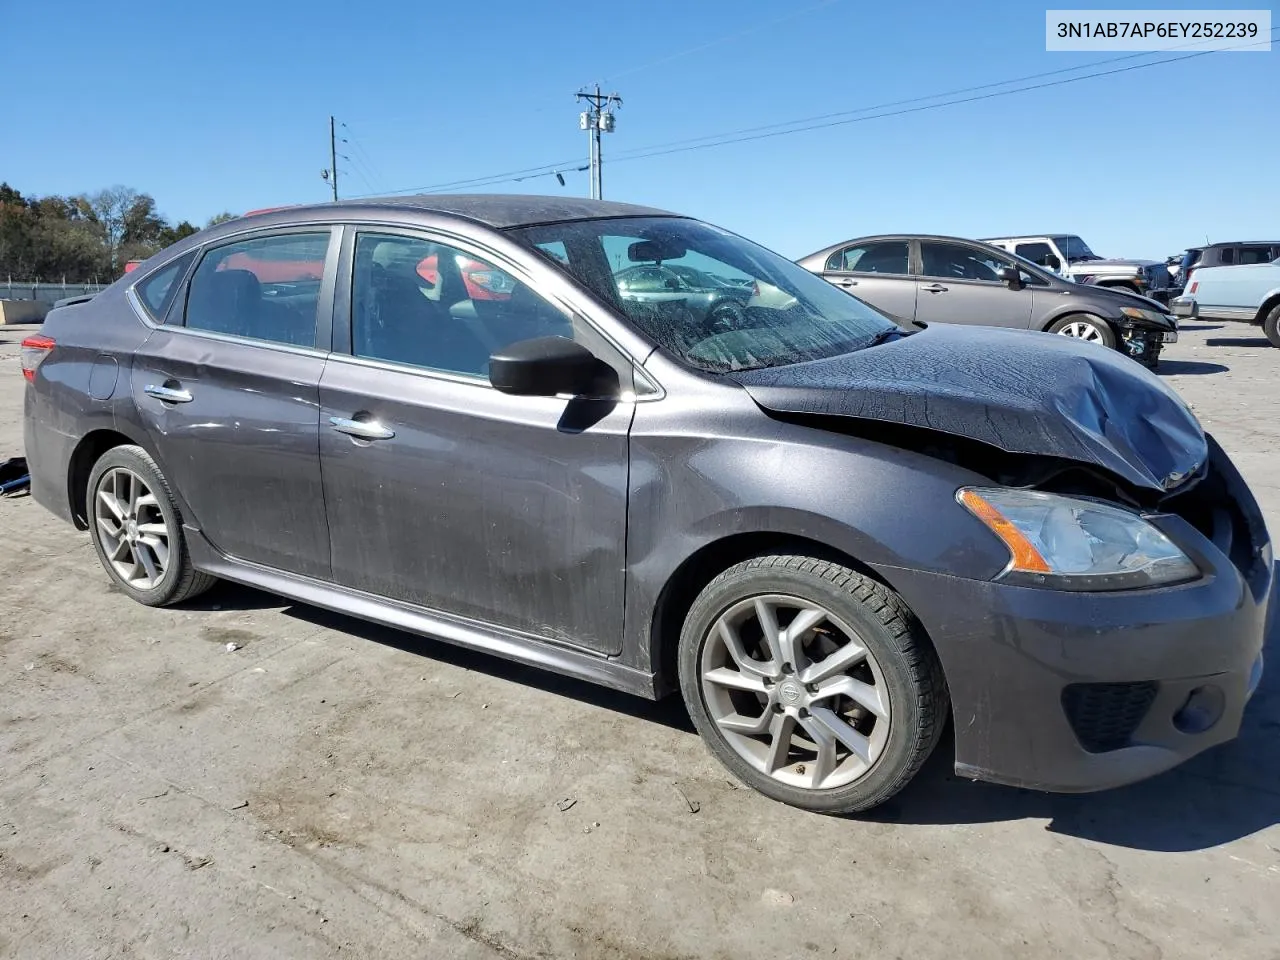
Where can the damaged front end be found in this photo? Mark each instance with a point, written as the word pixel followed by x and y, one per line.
pixel 1144 332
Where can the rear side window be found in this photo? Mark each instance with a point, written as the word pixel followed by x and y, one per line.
pixel 884 256
pixel 1255 255
pixel 156 291
pixel 1227 256
pixel 267 288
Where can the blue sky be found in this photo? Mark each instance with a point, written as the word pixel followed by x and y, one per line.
pixel 225 106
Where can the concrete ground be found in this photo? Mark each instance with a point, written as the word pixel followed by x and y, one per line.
pixel 333 789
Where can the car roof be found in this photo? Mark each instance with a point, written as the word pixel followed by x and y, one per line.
pixel 893 236
pixel 1238 243
pixel 497 210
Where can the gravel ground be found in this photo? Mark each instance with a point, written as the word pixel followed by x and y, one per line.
pixel 332 789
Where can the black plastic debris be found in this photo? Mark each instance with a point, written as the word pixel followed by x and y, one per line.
pixel 15 478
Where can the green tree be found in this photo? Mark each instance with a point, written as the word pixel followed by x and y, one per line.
pixel 220 218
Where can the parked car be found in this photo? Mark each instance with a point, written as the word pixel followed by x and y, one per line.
pixel 932 279
pixel 1225 255
pixel 1250 293
pixel 825 531
pixel 1068 255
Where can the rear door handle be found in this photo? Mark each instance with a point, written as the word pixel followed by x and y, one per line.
pixel 364 429
pixel 935 288
pixel 168 394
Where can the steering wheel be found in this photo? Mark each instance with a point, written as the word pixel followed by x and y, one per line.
pixel 725 316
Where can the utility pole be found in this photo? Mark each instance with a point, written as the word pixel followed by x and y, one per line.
pixel 332 173
pixel 597 119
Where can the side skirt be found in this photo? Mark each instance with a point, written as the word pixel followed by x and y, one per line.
pixel 433 624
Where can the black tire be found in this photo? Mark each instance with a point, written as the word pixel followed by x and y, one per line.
pixel 1271 325
pixel 1108 335
pixel 179 580
pixel 907 662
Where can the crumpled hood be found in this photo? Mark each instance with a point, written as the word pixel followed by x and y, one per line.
pixel 1022 392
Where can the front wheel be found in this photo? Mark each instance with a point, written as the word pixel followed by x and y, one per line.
pixel 811 683
pixel 137 531
pixel 1086 327
pixel 1271 326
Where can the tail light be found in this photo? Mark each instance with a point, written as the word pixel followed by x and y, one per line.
pixel 34 349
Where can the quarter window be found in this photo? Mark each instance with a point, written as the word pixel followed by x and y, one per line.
pixel 157 290
pixel 267 288
pixel 430 305
pixel 885 256
pixel 1227 255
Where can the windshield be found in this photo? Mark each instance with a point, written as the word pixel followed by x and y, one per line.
pixel 1075 249
pixel 714 300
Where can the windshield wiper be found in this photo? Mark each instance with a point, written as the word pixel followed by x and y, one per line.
pixel 884 335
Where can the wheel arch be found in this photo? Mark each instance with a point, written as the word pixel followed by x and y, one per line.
pixel 704 565
pixel 86 453
pixel 1074 311
pixel 1271 301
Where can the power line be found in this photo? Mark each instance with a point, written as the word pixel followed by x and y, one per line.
pixel 788 127
pixel 646 151
pixel 731 137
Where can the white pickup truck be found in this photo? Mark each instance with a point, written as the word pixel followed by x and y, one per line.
pixel 1066 254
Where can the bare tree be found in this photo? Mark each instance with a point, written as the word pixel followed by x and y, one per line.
pixel 109 209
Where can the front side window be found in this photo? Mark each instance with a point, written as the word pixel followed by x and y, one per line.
pixel 267 288
pixel 430 305
pixel 1038 253
pixel 713 300
pixel 956 261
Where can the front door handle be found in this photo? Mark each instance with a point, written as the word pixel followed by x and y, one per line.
pixel 846 282
pixel 935 288
pixel 168 394
pixel 364 429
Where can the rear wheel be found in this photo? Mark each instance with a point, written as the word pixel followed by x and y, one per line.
pixel 811 683
pixel 1086 327
pixel 137 531
pixel 1271 326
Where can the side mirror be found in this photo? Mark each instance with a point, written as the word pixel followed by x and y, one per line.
pixel 1052 262
pixel 1010 275
pixel 550 366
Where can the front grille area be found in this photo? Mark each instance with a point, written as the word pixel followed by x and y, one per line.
pixel 1105 715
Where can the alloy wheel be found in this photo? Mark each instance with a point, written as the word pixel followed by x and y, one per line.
pixel 795 692
pixel 1082 330
pixel 131 528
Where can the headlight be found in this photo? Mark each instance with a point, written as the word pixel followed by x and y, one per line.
pixel 1138 313
pixel 1076 544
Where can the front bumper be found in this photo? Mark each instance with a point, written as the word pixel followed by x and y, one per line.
pixel 1075 692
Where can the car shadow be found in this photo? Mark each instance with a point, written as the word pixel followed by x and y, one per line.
pixel 668 712
pixel 1238 342
pixel 1180 368
pixel 1225 794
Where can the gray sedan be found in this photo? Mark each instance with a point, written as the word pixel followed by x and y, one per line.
pixel 934 279
pixel 444 414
